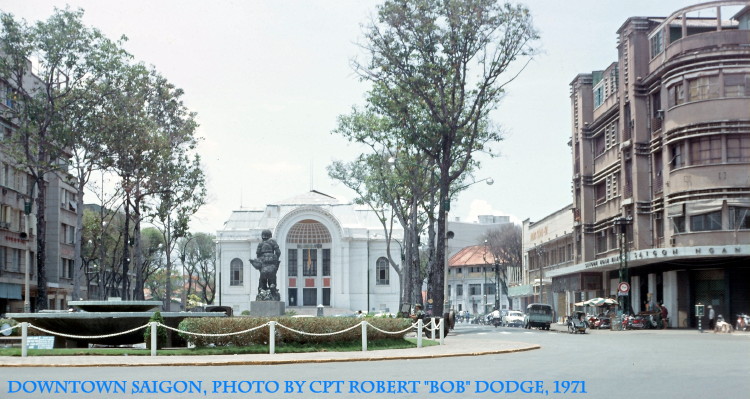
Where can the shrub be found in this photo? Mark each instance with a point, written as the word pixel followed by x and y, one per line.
pixel 284 327
pixel 161 332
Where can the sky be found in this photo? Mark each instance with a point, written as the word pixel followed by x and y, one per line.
pixel 268 79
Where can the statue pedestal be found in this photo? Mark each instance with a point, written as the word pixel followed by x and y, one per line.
pixel 267 308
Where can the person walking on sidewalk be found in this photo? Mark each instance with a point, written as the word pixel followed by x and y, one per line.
pixel 711 317
pixel 664 315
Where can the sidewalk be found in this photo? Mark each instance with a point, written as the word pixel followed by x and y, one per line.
pixel 455 345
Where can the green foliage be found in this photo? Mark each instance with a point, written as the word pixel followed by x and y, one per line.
pixel 314 325
pixel 438 70
pixel 245 313
pixel 161 332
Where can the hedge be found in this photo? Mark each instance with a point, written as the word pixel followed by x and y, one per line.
pixel 315 325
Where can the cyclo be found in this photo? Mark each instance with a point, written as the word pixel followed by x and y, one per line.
pixel 577 323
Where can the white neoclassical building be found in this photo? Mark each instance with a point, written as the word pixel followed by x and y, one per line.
pixel 332 254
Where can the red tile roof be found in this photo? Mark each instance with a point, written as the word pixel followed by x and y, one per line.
pixel 471 256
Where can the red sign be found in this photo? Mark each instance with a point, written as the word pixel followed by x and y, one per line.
pixel 623 287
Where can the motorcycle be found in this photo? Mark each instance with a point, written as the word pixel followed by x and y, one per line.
pixel 743 322
pixel 635 323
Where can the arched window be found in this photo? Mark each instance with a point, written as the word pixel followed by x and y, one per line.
pixel 382 271
pixel 235 272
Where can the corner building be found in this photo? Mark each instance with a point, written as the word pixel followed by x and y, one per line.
pixel 661 165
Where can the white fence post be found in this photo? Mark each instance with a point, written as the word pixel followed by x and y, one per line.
pixel 434 326
pixel 419 332
pixel 24 335
pixel 364 336
pixel 154 325
pixel 272 337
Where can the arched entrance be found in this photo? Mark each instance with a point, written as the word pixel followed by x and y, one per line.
pixel 308 246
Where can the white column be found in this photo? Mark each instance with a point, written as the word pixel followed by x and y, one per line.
pixel 652 286
pixel 670 297
pixel 635 293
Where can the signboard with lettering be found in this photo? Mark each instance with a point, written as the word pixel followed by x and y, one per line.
pixel 653 255
pixel 40 342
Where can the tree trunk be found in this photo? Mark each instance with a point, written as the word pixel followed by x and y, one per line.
pixel 77 260
pixel 41 246
pixel 126 250
pixel 137 261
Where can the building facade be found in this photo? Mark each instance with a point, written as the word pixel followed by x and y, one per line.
pixel 547 246
pixel 333 254
pixel 18 238
pixel 474 275
pixel 661 166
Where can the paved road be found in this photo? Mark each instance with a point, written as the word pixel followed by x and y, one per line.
pixel 629 364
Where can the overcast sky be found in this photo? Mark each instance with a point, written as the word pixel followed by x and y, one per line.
pixel 268 78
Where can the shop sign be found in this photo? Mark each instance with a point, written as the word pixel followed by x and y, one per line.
pixel 658 253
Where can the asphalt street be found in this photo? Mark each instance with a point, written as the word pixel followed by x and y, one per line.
pixel 600 364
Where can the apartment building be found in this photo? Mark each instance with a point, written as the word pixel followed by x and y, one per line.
pixel 18 238
pixel 661 164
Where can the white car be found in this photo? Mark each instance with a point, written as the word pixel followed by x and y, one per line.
pixel 513 318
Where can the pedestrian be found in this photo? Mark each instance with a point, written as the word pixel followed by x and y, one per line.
pixel 664 315
pixel 711 316
pixel 418 313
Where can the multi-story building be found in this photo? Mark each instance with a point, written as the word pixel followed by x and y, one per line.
pixel 661 165
pixel 18 239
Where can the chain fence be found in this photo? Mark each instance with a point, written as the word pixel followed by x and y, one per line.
pixel 419 327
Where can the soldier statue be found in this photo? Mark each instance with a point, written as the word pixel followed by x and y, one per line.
pixel 267 263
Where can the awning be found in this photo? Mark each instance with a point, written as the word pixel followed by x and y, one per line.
pixel 703 206
pixel 675 210
pixel 10 291
pixel 520 291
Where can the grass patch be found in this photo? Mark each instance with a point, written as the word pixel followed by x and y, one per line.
pixel 352 346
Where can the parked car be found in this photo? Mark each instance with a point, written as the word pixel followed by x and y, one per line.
pixel 513 318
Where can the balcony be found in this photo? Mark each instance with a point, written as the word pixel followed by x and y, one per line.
pixel 718 40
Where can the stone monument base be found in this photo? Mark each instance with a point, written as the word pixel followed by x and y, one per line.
pixel 267 308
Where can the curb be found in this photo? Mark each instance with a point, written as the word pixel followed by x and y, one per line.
pixel 131 361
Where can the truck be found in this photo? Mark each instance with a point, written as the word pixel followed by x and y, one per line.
pixel 538 315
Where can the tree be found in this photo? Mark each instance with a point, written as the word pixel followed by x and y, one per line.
pixel 85 123
pixel 176 182
pixel 100 249
pixel 152 253
pixel 396 182
pixel 67 54
pixel 506 249
pixel 437 68
pixel 198 256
